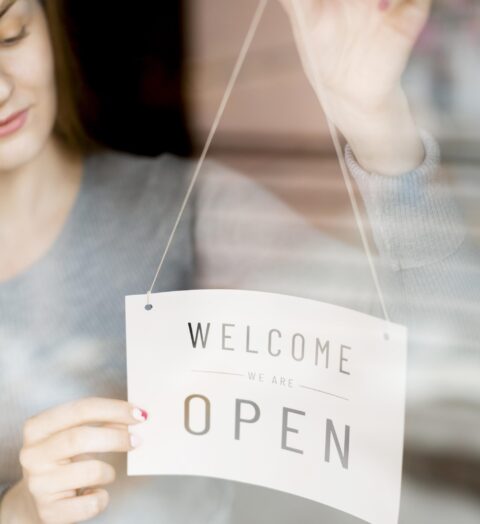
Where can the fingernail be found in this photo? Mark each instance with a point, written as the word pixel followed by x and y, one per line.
pixel 139 414
pixel 135 440
pixel 383 5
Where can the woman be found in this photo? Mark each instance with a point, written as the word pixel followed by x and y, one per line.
pixel 63 281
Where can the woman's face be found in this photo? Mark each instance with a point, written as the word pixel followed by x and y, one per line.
pixel 27 82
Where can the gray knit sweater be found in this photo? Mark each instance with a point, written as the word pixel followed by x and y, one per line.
pixel 62 319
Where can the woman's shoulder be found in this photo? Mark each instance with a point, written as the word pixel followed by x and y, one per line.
pixel 128 170
pixel 143 181
pixel 168 176
pixel 126 184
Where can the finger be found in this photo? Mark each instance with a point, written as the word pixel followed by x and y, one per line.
pixel 113 425
pixel 85 456
pixel 79 412
pixel 392 5
pixel 76 475
pixel 408 17
pixel 385 5
pixel 72 442
pixel 76 509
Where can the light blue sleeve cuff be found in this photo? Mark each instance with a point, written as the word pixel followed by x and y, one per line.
pixel 414 218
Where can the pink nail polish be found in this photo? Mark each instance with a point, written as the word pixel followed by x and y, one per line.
pixel 383 5
pixel 139 414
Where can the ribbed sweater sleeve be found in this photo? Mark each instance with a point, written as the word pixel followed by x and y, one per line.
pixel 431 280
pixel 415 220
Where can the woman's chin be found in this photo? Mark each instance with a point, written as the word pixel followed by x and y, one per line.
pixel 17 152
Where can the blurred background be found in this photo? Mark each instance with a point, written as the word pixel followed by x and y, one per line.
pixel 157 76
pixel 157 80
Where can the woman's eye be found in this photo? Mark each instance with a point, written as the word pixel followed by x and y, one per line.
pixel 11 40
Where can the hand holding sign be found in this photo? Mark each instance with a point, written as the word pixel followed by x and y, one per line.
pixel 59 483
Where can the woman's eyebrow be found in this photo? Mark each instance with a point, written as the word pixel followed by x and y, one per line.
pixel 5 6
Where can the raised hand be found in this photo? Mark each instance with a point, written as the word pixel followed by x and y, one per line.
pixel 359 49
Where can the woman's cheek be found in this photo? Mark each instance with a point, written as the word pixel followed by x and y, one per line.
pixel 32 62
pixel 31 67
pixel 32 71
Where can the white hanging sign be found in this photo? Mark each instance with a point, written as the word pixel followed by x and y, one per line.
pixel 272 390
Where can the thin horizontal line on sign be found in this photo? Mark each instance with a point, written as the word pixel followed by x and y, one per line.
pixel 325 393
pixel 217 372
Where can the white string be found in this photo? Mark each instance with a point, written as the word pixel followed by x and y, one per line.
pixel 228 91
pixel 331 127
pixel 339 151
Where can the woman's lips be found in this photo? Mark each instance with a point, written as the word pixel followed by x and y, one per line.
pixel 13 123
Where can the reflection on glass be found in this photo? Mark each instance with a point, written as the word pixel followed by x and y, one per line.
pixel 82 225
